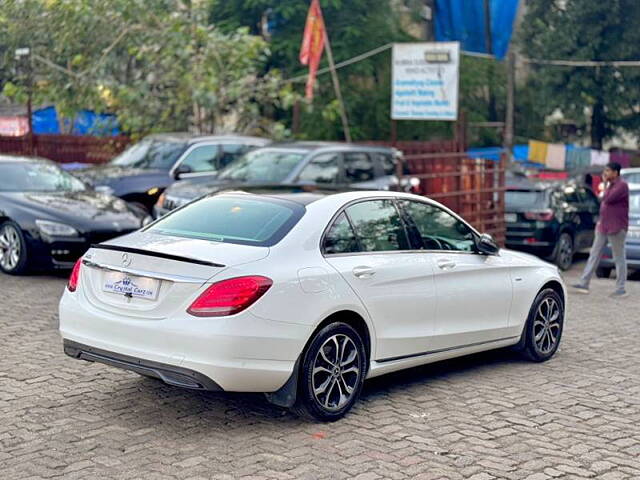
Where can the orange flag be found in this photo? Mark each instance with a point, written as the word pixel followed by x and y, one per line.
pixel 312 44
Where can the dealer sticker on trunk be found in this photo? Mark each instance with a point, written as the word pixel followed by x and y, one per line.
pixel 130 285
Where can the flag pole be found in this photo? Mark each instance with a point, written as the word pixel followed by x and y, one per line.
pixel 336 86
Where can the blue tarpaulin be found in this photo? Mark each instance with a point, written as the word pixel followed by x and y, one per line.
pixel 463 21
pixel 86 122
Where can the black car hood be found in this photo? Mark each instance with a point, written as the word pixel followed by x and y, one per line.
pixel 124 180
pixel 105 174
pixel 85 210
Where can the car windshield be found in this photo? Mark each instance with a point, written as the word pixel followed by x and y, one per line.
pixel 233 218
pixel 266 166
pixel 151 155
pixel 37 177
pixel 525 199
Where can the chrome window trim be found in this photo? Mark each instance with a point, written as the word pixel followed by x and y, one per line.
pixel 394 199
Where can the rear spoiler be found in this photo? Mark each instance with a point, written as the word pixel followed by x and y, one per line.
pixel 150 253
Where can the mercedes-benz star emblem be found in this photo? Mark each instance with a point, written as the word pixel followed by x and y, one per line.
pixel 126 260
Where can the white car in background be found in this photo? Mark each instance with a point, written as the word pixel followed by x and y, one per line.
pixel 304 296
pixel 631 176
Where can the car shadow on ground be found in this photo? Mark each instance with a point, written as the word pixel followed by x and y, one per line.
pixel 171 408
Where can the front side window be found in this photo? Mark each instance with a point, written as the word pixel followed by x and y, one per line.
pixel 240 219
pixel 37 177
pixel 322 169
pixel 340 237
pixel 202 159
pixel 378 226
pixel 438 229
pixel 262 165
pixel 358 167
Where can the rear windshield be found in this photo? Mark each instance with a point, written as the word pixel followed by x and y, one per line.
pixel 230 218
pixel 151 155
pixel 524 199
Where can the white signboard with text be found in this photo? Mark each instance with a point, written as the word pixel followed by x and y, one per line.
pixel 424 83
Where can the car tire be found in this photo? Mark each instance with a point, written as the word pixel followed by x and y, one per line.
pixel 330 383
pixel 603 272
pixel 13 249
pixel 543 330
pixel 563 252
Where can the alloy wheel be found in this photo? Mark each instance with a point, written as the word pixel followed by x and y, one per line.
pixel 565 251
pixel 336 372
pixel 546 325
pixel 10 247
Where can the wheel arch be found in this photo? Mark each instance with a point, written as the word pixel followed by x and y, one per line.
pixel 286 396
pixel 556 286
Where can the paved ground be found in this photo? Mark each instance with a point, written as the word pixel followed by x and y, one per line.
pixel 488 416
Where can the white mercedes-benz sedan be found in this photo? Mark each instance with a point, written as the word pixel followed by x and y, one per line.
pixel 303 296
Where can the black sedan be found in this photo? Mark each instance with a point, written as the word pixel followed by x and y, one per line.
pixel 140 173
pixel 48 218
pixel 549 220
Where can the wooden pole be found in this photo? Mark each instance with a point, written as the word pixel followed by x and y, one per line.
pixel 336 86
pixel 509 121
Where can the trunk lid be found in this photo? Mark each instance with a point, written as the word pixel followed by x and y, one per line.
pixel 151 275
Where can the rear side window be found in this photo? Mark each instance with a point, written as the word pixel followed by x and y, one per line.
pixel 322 169
pixel 340 237
pixel 378 226
pixel 230 152
pixel 386 162
pixel 240 219
pixel 358 167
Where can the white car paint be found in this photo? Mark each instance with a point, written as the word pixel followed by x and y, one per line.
pixel 419 306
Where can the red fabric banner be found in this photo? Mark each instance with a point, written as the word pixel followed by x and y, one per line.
pixel 312 44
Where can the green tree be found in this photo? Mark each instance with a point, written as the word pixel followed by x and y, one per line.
pixel 158 64
pixel 585 30
pixel 355 27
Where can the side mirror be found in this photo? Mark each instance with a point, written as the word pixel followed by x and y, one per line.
pixel 182 170
pixel 487 245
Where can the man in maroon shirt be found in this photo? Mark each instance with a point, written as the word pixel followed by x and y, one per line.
pixel 612 226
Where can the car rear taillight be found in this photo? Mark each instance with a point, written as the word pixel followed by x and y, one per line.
pixel 74 278
pixel 229 297
pixel 542 215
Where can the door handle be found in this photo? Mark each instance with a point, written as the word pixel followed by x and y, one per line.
pixel 363 272
pixel 446 264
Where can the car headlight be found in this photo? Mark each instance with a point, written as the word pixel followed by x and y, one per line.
pixel 56 229
pixel 147 220
pixel 106 189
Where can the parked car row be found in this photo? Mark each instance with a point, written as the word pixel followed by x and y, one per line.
pixel 319 164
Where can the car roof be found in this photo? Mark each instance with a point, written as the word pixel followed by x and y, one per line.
pixel 21 159
pixel 192 138
pixel 303 194
pixel 314 146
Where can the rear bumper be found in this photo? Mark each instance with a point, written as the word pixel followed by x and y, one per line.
pixel 170 374
pixel 242 353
